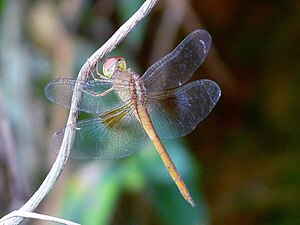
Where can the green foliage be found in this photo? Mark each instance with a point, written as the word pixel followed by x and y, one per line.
pixel 93 193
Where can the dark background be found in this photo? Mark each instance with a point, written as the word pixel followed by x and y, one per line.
pixel 241 164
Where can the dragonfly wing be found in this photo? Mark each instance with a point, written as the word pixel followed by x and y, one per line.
pixel 177 67
pixel 115 134
pixel 176 113
pixel 60 91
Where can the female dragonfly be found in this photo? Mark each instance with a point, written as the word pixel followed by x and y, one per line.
pixel 133 109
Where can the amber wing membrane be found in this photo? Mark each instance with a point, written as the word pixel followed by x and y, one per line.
pixel 115 134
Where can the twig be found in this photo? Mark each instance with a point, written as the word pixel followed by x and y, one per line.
pixel 33 215
pixel 90 65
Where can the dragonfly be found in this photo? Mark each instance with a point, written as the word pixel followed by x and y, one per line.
pixel 131 109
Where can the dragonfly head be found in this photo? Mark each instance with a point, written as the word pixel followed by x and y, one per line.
pixel 113 65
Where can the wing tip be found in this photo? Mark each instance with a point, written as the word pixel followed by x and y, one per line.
pixel 205 37
pixel 213 89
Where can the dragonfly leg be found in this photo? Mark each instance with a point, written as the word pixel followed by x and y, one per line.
pixel 105 92
pixel 99 74
pixel 92 70
pixel 93 75
pixel 99 94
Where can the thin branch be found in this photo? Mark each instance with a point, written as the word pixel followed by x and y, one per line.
pixel 89 66
pixel 38 216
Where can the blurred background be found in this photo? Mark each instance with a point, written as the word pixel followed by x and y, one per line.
pixel 241 164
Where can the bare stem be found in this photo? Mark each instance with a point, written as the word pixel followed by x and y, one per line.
pixel 90 65
pixel 38 216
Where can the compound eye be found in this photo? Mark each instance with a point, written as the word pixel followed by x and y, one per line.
pixel 121 64
pixel 113 65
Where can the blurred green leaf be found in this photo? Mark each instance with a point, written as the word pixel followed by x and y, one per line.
pixel 95 202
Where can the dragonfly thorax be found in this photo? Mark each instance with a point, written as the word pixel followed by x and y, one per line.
pixel 129 86
pixel 140 90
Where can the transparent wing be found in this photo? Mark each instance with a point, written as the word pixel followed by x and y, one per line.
pixel 177 67
pixel 176 113
pixel 60 91
pixel 113 135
